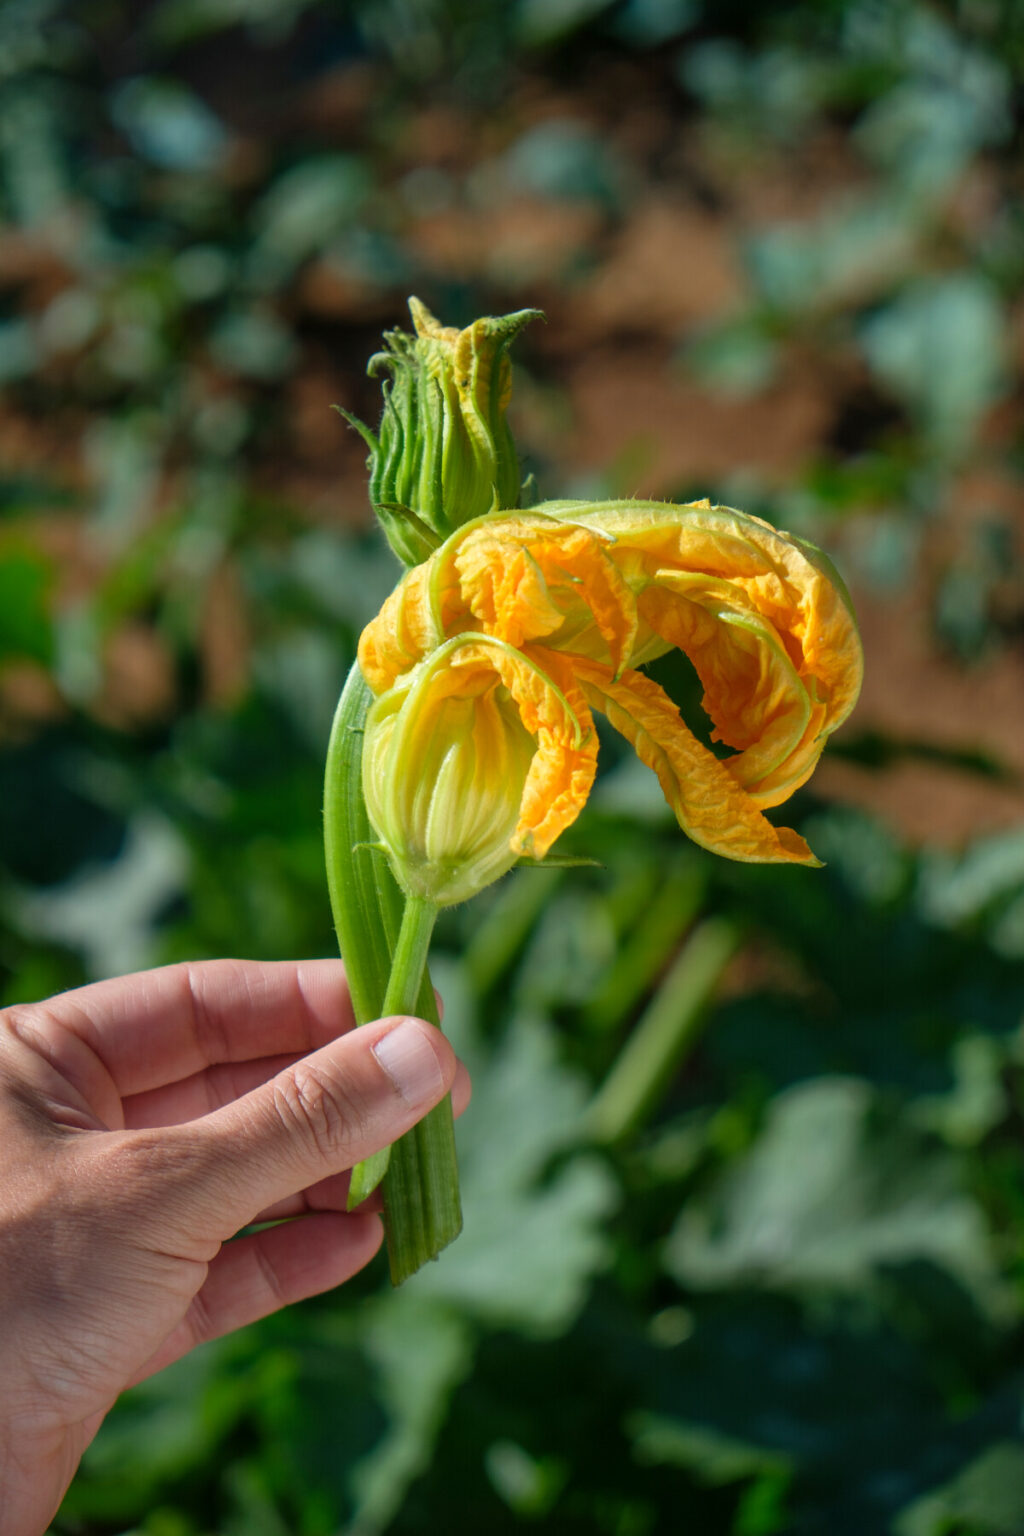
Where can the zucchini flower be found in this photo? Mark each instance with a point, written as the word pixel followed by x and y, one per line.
pixel 449 825
pixel 443 454
pixel 529 621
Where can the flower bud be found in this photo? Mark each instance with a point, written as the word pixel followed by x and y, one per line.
pixel 443 454
pixel 445 759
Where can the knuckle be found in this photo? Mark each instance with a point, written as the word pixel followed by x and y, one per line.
pixel 23 1035
pixel 136 1167
pixel 319 1107
pixel 147 1187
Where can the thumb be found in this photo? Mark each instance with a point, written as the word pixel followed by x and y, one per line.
pixel 318 1117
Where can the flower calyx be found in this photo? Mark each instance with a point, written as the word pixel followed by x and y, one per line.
pixel 443 454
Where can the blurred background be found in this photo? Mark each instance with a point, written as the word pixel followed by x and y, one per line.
pixel 744 1173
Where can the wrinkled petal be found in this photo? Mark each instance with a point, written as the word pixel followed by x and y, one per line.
pixel 505 590
pixel 752 691
pixel 709 805
pixel 527 579
pixel 789 583
pixel 553 708
pixel 401 634
pixel 477 755
pixel 559 601
pixel 520 579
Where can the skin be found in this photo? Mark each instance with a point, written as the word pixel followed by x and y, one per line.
pixel 146 1120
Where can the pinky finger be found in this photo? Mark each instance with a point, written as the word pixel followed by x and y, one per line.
pixel 261 1273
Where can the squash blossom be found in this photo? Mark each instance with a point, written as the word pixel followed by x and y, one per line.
pixel 444 453
pixel 488 660
pixel 464 737
pixel 472 754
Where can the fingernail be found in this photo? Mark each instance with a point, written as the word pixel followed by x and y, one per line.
pixel 409 1060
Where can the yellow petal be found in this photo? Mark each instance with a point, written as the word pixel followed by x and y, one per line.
pixel 529 579
pixel 779 786
pixel 401 634
pixel 752 691
pixel 504 588
pixel 553 708
pixel 710 806
pixel 790 583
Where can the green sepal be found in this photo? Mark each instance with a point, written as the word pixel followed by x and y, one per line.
pixel 444 453
pixel 368 437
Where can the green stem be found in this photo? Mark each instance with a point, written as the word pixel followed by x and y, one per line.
pixel 421 1186
pixel 410 957
pixel 405 983
pixel 664 1034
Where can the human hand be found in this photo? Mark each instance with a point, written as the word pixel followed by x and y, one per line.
pixel 144 1121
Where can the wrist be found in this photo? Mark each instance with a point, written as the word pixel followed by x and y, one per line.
pixel 34 1477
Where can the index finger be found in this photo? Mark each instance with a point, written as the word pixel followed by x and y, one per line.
pixel 158 1026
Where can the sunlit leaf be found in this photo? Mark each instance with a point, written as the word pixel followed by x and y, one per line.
pixel 833 1189
pixel 169 124
pixel 940 347
pixel 987 1498
pixel 25 624
pixel 530 1244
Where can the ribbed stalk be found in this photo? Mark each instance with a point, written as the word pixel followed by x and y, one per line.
pixel 422 1214
pixel 408 968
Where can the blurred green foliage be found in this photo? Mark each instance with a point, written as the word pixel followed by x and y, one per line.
pixel 778 1285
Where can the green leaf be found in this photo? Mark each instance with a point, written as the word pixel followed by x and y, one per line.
pixel 955 888
pixel 25 626
pixel 168 124
pixel 303 210
pixel 501 929
pixel 940 347
pixel 542 22
pixel 707 1453
pixel 109 912
pixel 530 1244
pixel 835 1187
pixel 987 1498
pixel 734 358
pixel 849 253
pixel 421 1351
